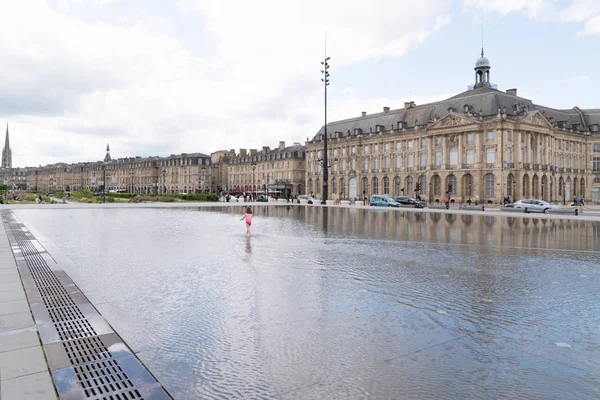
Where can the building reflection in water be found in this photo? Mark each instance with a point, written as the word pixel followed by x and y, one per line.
pixel 483 230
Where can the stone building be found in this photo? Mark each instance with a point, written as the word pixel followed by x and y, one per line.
pixel 219 161
pixel 280 171
pixel 480 145
pixel 182 173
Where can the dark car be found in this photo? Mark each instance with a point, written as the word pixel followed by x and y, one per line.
pixel 262 198
pixel 406 201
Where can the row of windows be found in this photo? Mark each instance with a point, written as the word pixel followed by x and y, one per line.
pixel 408 188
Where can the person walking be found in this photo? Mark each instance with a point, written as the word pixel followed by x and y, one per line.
pixel 447 201
pixel 248 216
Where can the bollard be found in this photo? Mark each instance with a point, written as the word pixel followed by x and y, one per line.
pixel 576 212
pixel 482 208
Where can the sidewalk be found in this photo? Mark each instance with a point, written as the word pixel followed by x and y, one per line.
pixel 24 374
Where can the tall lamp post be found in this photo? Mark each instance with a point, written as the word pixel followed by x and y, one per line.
pixel 104 184
pixel 542 191
pixel 470 191
pixel 564 193
pixel 132 176
pixel 164 174
pixel 325 80
pixel 253 166
pixel 514 190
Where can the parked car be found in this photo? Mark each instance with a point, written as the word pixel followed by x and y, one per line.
pixel 409 202
pixel 534 206
pixel 262 198
pixel 307 198
pixel 383 201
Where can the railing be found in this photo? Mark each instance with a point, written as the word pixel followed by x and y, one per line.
pixel 526 167
pixel 450 166
pixel 435 167
pixel 364 171
pixel 467 166
pixel 409 169
pixel 536 167
pixel 567 170
pixel 509 165
pixel 397 169
pixel 489 165
pixel 387 170
pixel 545 168
pixel 422 168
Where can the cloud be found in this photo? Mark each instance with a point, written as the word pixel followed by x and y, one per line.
pixel 547 10
pixel 144 87
pixel 592 27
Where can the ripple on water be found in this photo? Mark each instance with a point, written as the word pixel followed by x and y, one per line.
pixel 357 305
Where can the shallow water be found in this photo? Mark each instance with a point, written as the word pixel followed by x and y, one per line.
pixel 342 303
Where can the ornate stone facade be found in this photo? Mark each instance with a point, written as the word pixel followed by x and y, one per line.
pixel 480 145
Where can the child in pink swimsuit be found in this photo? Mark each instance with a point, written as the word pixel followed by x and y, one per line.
pixel 248 217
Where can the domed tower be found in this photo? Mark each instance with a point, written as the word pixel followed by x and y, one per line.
pixel 482 72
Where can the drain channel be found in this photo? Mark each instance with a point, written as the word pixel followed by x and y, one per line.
pixel 87 359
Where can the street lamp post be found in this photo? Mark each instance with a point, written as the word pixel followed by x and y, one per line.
pixel 103 184
pixel 564 193
pixel 542 191
pixel 325 80
pixel 132 176
pixel 253 166
pixel 514 190
pixel 164 174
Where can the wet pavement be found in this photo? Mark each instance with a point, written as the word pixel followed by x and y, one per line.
pixel 341 302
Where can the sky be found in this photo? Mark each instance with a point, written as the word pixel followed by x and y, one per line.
pixel 155 77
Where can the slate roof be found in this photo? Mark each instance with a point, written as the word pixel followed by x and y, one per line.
pixel 483 102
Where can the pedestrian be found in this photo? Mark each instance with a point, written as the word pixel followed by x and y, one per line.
pixel 228 197
pixel 447 201
pixel 581 201
pixel 248 217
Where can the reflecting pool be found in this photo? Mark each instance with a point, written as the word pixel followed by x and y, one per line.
pixel 339 303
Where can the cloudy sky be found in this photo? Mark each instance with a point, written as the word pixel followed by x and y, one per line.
pixel 156 77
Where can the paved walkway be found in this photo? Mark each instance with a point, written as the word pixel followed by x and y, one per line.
pixel 24 374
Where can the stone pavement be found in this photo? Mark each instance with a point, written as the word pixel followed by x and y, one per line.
pixel 24 374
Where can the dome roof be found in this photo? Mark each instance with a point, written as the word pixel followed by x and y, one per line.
pixel 483 62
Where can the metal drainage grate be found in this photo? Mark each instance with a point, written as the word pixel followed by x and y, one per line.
pixel 83 351
pixel 106 378
pixel 74 329
pixel 96 369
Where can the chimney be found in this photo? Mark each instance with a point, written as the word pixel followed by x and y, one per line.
pixel 265 149
pixel 252 152
pixel 386 109
pixel 406 105
pixel 512 92
pixel 281 145
pixel 364 113
pixel 242 152
pixel 412 104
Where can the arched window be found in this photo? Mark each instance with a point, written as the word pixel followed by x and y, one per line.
pixel 489 185
pixel 365 185
pixel 386 185
pixel 409 186
pixel 375 185
pixel 452 181
pixel 318 186
pixel 423 182
pixel 334 185
pixel 397 186
pixel 509 185
pixel 437 185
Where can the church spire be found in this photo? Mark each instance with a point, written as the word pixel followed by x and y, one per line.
pixel 107 156
pixel 6 152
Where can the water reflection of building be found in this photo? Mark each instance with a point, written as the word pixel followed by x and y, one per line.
pixel 478 230
pixel 481 144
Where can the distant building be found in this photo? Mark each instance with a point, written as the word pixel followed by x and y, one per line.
pixel 480 145
pixel 280 171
